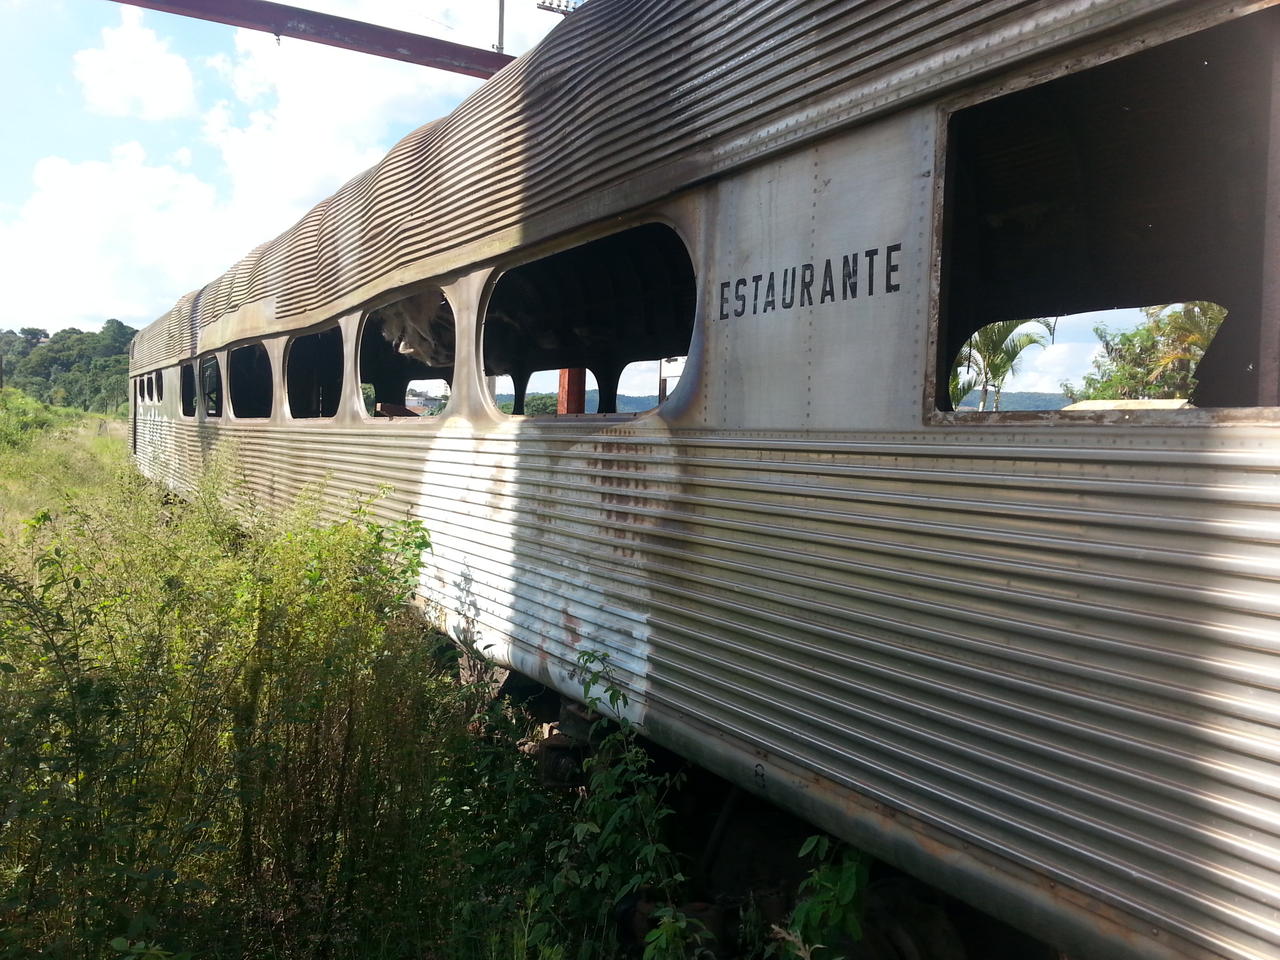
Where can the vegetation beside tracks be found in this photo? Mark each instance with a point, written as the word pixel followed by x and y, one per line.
pixel 227 736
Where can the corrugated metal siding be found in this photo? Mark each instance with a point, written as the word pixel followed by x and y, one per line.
pixel 1057 645
pixel 624 103
pixel 1061 647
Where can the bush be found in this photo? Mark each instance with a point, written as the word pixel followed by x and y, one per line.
pixel 216 730
pixel 22 419
pixel 227 733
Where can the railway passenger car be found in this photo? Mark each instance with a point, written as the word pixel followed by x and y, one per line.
pixel 1031 657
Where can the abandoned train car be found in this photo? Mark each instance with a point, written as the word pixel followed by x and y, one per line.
pixel 1032 657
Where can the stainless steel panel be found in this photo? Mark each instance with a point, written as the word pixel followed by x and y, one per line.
pixel 625 103
pixel 1059 648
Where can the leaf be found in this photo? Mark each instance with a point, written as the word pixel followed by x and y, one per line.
pixel 121 945
pixel 7 667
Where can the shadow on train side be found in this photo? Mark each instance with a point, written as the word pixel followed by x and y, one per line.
pixel 1142 181
pixel 1129 184
pixel 1045 650
pixel 585 493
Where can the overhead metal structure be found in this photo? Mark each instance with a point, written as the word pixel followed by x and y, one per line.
pixel 286 21
pixel 562 7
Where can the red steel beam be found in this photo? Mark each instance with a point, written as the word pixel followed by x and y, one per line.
pixel 287 21
pixel 573 391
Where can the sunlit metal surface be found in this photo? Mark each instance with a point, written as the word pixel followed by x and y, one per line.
pixel 1035 663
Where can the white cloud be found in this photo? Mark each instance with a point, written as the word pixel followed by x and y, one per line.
pixel 116 238
pixel 127 235
pixel 639 379
pixel 134 74
pixel 1043 370
pixel 1078 327
pixel 307 118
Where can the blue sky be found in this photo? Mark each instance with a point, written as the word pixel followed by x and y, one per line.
pixel 1069 356
pixel 145 153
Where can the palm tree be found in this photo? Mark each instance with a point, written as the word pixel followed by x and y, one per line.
pixel 994 353
pixel 1185 334
pixel 961 385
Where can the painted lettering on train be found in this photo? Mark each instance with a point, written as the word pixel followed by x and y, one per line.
pixel 869 273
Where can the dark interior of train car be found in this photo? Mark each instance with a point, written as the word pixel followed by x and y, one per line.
pixel 1137 182
pixel 187 388
pixel 313 374
pixel 249 380
pixel 599 306
pixel 211 386
pixel 409 340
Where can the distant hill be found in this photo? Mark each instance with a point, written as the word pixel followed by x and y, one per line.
pixel 1008 401
pixel 1018 401
pixel 625 404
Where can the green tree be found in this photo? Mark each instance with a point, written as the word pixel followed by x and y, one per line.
pixel 961 385
pixel 89 370
pixel 992 355
pixel 114 338
pixel 1155 361
pixel 540 404
pixel 14 347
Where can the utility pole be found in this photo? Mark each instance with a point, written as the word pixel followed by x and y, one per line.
pixel 502 11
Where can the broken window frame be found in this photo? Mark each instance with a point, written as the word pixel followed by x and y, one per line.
pixel 364 329
pixel 1267 245
pixel 206 363
pixel 578 243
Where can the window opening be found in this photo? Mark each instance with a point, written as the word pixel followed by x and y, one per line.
pixel 597 308
pixel 542 394
pixel 647 383
pixel 313 374
pixel 249 380
pixel 1106 359
pixel 211 386
pixel 1090 193
pixel 187 387
pixel 159 385
pixel 427 398
pixel 149 380
pixel 141 393
pixel 406 356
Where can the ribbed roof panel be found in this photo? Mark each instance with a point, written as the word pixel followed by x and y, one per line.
pixel 623 103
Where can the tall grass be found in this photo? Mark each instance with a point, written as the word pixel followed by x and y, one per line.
pixel 226 733
pixel 48 454
pixel 22 418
